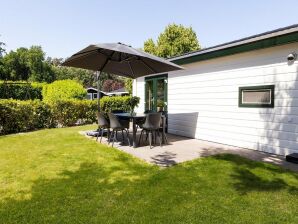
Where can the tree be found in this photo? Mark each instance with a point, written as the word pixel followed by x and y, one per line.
pixel 111 85
pixel 174 40
pixel 15 66
pixel 27 64
pixel 83 76
pixel 128 85
pixel 2 49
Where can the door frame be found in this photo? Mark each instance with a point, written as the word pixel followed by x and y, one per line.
pixel 155 79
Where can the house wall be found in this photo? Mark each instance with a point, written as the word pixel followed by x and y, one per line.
pixel 203 100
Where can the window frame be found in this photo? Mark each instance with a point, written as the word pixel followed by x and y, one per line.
pixel 90 95
pixel 256 88
pixel 154 79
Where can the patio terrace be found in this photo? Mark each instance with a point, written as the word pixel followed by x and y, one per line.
pixel 180 149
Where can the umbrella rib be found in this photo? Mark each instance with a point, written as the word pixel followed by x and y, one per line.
pixel 128 59
pixel 150 68
pixel 77 54
pixel 107 60
pixel 81 56
pixel 132 72
pixel 85 54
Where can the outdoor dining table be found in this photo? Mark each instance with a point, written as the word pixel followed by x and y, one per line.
pixel 133 117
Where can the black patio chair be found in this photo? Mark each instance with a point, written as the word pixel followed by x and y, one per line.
pixel 141 121
pixel 118 125
pixel 151 127
pixel 103 124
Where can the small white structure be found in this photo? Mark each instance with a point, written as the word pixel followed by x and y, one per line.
pixel 243 93
pixel 92 93
pixel 118 92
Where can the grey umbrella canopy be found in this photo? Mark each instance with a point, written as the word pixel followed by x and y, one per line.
pixel 119 59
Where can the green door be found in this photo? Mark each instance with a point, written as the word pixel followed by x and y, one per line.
pixel 156 93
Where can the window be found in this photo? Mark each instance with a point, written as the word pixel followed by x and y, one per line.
pixel 89 96
pixel 94 95
pixel 156 93
pixel 256 96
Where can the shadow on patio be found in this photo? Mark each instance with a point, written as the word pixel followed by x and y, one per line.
pixel 181 149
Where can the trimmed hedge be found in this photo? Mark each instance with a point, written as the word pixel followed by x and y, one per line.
pixel 72 112
pixel 21 116
pixel 108 104
pixel 20 90
pixel 63 90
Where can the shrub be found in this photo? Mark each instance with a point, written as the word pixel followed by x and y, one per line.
pixel 63 90
pixel 21 90
pixel 20 116
pixel 108 104
pixel 71 112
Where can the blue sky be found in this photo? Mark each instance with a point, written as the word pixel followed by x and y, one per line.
pixel 64 27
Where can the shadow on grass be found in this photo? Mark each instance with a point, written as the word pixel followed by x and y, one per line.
pixel 76 196
pixel 125 191
pixel 251 176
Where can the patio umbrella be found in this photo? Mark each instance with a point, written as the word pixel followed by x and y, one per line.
pixel 119 59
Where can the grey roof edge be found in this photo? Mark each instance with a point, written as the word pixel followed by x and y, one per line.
pixel 242 41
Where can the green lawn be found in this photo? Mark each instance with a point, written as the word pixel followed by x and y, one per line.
pixel 58 176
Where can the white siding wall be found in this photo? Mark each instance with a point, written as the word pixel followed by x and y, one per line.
pixel 203 100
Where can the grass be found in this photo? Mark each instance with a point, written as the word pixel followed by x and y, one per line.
pixel 58 176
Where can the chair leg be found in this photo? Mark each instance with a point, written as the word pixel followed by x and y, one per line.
pixel 111 135
pixel 108 134
pixel 150 138
pixel 98 134
pixel 159 138
pixel 127 135
pixel 114 137
pixel 141 136
pixel 101 134
pixel 166 138
pixel 122 136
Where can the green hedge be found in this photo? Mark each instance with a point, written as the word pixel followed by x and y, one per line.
pixel 72 112
pixel 63 90
pixel 21 116
pixel 20 90
pixel 108 104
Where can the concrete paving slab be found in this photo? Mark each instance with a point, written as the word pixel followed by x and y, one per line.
pixel 180 149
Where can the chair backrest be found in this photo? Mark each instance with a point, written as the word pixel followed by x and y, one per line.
pixel 102 121
pixel 148 111
pixel 152 121
pixel 114 121
pixel 118 111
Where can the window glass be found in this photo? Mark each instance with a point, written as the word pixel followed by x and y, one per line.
pixel 256 96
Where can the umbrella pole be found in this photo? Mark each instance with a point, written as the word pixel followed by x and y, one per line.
pixel 98 91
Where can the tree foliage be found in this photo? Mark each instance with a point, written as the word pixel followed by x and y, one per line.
pixel 128 85
pixel 2 49
pixel 174 40
pixel 26 64
pixel 21 90
pixel 110 85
